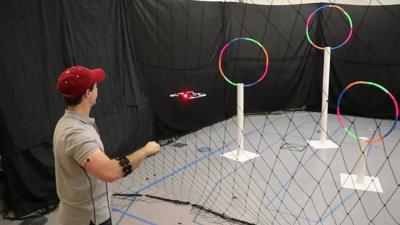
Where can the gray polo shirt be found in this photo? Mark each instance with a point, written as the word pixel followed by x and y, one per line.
pixel 75 138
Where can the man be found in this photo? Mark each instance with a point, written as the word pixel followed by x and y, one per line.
pixel 82 167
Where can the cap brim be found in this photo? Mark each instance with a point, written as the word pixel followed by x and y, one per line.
pixel 98 75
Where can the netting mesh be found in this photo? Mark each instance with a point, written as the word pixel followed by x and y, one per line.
pixel 289 183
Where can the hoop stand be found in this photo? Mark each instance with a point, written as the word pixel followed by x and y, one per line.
pixel 359 180
pixel 323 143
pixel 240 154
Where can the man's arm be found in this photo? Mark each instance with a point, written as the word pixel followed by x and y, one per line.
pixel 109 170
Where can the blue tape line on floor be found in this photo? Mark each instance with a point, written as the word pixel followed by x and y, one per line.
pixel 132 216
pixel 175 172
pixel 211 192
pixel 179 170
pixel 291 214
pixel 330 213
pixel 324 217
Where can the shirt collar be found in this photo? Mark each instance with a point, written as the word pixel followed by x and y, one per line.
pixel 79 116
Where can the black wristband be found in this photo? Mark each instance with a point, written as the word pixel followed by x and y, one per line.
pixel 124 163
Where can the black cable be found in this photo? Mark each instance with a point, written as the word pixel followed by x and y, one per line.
pixel 91 195
pixel 108 201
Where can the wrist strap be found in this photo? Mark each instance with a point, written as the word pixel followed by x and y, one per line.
pixel 124 163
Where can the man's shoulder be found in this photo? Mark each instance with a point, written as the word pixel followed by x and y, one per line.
pixel 67 124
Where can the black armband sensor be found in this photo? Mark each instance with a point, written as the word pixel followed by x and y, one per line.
pixel 124 163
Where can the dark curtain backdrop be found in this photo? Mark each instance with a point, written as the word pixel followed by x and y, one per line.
pixel 152 48
pixel 39 39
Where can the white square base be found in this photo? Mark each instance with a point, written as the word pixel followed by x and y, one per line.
pixel 349 181
pixel 327 145
pixel 243 156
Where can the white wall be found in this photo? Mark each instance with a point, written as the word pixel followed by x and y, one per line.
pixel 290 2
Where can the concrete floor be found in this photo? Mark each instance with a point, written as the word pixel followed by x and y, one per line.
pixel 290 183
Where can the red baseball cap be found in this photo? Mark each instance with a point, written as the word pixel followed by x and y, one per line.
pixel 74 81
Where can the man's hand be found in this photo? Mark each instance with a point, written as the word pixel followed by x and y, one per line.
pixel 152 148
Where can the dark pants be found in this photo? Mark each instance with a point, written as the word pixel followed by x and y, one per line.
pixel 107 222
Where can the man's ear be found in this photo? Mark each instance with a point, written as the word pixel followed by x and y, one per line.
pixel 87 92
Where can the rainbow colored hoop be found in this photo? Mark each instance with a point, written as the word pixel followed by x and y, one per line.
pixel 266 62
pixel 372 84
pixel 330 6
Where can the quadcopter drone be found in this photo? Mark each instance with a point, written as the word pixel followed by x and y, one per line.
pixel 186 95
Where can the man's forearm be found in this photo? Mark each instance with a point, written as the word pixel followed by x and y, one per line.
pixel 118 168
pixel 137 157
pixel 114 170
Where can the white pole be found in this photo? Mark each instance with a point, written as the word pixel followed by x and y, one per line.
pixel 240 115
pixel 240 154
pixel 325 94
pixel 362 164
